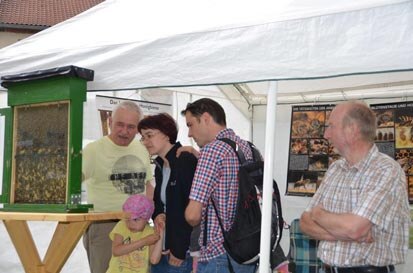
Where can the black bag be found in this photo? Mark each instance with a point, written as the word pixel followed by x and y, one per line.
pixel 242 241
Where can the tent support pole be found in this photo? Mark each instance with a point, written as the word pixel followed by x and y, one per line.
pixel 268 177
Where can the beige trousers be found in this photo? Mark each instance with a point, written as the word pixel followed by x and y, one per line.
pixel 98 245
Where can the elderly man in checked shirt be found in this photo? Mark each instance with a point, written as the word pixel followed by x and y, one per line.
pixel 360 213
pixel 215 178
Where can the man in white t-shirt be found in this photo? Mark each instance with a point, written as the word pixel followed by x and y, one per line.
pixel 114 167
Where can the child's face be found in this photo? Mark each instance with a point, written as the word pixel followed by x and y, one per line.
pixel 136 224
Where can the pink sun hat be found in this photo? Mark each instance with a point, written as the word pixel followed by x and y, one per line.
pixel 139 207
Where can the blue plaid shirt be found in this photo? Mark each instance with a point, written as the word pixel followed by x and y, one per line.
pixel 303 250
pixel 216 177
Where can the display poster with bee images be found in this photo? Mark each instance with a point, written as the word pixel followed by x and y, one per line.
pixel 309 153
pixel 394 136
pixel 105 106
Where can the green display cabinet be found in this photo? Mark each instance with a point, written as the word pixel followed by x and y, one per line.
pixel 43 140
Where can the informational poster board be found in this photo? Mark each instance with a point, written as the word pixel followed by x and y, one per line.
pixel 105 106
pixel 395 136
pixel 309 153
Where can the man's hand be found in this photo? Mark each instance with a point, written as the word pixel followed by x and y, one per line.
pixel 316 212
pixel 188 149
pixel 367 238
pixel 312 229
pixel 343 226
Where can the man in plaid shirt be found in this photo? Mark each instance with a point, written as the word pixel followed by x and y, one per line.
pixel 215 178
pixel 360 213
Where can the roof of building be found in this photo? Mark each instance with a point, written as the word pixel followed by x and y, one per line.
pixel 41 12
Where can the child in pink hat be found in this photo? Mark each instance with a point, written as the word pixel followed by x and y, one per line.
pixel 135 244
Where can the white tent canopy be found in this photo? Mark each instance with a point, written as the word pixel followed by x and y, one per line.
pixel 140 44
pixel 307 47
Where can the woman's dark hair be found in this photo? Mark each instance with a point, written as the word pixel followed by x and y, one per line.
pixel 205 105
pixel 162 122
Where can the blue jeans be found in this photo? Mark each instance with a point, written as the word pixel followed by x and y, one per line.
pixel 164 267
pixel 220 264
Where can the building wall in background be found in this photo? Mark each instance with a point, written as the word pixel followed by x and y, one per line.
pixel 8 38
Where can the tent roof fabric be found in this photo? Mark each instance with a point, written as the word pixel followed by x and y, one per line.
pixel 189 43
pixel 41 12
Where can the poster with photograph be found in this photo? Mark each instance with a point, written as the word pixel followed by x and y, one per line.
pixel 105 106
pixel 394 136
pixel 309 153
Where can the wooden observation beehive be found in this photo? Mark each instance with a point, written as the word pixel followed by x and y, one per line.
pixel 43 140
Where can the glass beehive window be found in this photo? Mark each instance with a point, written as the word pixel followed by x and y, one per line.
pixel 40 153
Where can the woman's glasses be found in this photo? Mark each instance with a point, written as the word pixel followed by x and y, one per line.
pixel 148 136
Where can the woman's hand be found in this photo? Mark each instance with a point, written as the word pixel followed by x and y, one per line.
pixel 160 222
pixel 174 260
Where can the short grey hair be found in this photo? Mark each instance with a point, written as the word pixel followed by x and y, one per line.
pixel 130 106
pixel 360 113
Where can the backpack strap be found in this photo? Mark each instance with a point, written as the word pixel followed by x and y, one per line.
pixel 256 155
pixel 237 150
pixel 231 269
pixel 240 156
pixel 204 241
pixel 206 221
pixel 242 159
pixel 234 147
pixel 219 219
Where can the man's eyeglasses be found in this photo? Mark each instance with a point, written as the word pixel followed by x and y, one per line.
pixel 148 136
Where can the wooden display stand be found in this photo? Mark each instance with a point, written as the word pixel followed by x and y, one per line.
pixel 70 227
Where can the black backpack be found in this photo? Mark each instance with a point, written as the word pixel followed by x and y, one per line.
pixel 242 241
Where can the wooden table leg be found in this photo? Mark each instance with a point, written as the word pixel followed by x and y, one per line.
pixel 23 242
pixel 65 239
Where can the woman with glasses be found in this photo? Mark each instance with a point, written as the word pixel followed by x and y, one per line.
pixel 173 177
